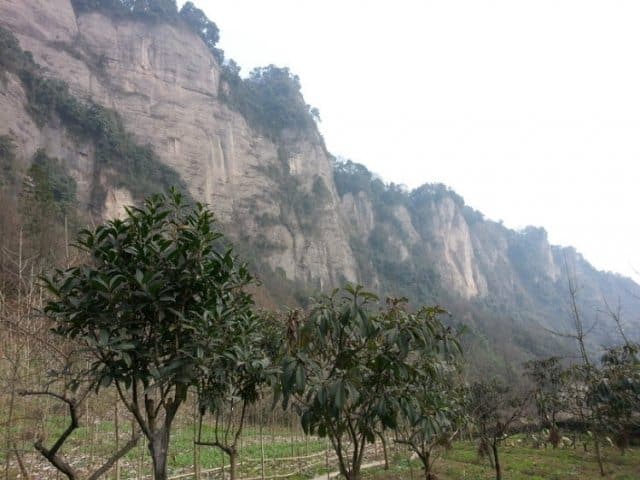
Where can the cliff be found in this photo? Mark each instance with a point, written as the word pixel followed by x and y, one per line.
pixel 305 217
pixel 164 82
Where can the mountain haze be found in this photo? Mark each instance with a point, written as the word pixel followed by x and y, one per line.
pixel 251 149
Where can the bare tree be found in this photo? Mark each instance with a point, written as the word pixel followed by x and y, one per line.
pixel 53 454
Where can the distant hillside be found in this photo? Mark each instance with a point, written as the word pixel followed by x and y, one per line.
pixel 113 103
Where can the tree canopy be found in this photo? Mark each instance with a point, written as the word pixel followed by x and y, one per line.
pixel 158 284
pixel 350 364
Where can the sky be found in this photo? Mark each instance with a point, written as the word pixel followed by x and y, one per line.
pixel 528 109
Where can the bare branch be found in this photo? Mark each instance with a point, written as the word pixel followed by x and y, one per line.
pixel 51 454
pixel 116 456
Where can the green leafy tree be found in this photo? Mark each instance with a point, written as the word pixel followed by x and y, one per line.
pixel 248 348
pixel 616 393
pixel 494 407
pixel 549 380
pixel 346 362
pixel 156 286
pixel 147 9
pixel 270 99
pixel 200 23
pixel 433 404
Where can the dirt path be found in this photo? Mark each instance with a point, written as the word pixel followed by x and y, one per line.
pixel 325 476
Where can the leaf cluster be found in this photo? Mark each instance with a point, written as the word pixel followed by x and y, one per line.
pixel 355 366
pixel 614 391
pixel 270 99
pixel 151 304
pixel 549 379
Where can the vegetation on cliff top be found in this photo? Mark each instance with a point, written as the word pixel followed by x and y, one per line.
pixel 269 98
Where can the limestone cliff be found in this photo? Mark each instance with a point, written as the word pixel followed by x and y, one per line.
pixel 316 222
pixel 429 245
pixel 164 82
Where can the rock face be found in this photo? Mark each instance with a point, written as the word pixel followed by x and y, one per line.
pixel 165 83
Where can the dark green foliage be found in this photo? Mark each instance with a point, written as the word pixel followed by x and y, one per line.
pixel 51 184
pixel 270 99
pixel 153 10
pixel 351 177
pixel 157 308
pixel 247 348
pixel 154 277
pixel 548 378
pixel 433 404
pixel 433 411
pixel 352 365
pixel 615 392
pixel 435 192
pixel 238 374
pixel 7 160
pixel 137 167
pixel 12 58
pixel 111 6
pixel 208 31
pixel 160 9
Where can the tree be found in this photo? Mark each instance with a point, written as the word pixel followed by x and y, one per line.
pixel 585 375
pixel 248 349
pixel 550 396
pixel 157 284
pixel 433 411
pixel 200 24
pixel 153 9
pixel 494 408
pixel 616 394
pixel 165 10
pixel 348 361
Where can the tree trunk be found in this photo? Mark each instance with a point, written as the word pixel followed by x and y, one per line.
pixel 497 462
pixel 426 465
pixel 384 451
pixel 596 441
pixel 353 474
pixel 159 449
pixel 232 464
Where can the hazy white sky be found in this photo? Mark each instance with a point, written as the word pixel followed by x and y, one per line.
pixel 528 109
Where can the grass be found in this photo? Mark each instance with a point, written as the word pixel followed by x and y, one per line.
pixel 90 444
pixel 519 462
pixel 96 439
